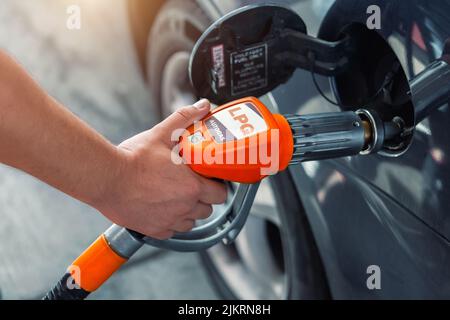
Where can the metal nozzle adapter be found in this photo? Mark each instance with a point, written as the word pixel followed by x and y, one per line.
pixel 338 134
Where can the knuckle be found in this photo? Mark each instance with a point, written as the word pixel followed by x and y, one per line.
pixel 190 226
pixel 157 236
pixel 167 224
pixel 185 112
pixel 169 234
pixel 204 213
pixel 194 190
pixel 184 208
pixel 208 211
pixel 164 235
pixel 223 195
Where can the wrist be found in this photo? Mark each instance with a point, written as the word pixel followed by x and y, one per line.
pixel 112 177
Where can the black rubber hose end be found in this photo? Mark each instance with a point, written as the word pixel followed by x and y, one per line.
pixel 66 289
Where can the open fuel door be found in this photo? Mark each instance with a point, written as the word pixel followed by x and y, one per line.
pixel 252 50
pixel 256 48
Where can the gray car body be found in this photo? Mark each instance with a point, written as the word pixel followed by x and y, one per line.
pixel 392 213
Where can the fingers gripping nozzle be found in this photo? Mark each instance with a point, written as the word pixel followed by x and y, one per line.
pixel 334 135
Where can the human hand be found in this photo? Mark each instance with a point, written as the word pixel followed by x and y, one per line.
pixel 151 194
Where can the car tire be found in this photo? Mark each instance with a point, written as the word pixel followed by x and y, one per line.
pixel 303 265
pixel 176 28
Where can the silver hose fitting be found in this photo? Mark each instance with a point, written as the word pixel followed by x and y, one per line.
pixel 335 135
pixel 374 131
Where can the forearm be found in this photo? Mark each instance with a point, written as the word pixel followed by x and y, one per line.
pixel 41 137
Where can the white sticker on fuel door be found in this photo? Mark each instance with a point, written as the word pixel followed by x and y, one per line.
pixel 237 122
pixel 249 70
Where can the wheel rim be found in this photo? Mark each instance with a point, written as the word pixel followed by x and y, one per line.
pixel 176 90
pixel 254 266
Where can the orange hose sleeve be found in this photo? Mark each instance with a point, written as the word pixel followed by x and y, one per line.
pixel 96 265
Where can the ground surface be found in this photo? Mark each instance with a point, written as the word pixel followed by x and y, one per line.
pixel 94 72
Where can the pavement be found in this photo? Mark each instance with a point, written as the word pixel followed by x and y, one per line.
pixel 94 72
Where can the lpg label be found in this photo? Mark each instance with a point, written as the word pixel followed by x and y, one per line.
pixel 235 123
pixel 248 70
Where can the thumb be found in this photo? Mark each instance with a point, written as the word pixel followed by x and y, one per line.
pixel 185 117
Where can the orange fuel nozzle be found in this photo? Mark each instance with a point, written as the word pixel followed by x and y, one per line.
pixel 242 141
pixel 239 141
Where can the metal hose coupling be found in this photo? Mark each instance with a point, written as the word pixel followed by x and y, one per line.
pixel 338 134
